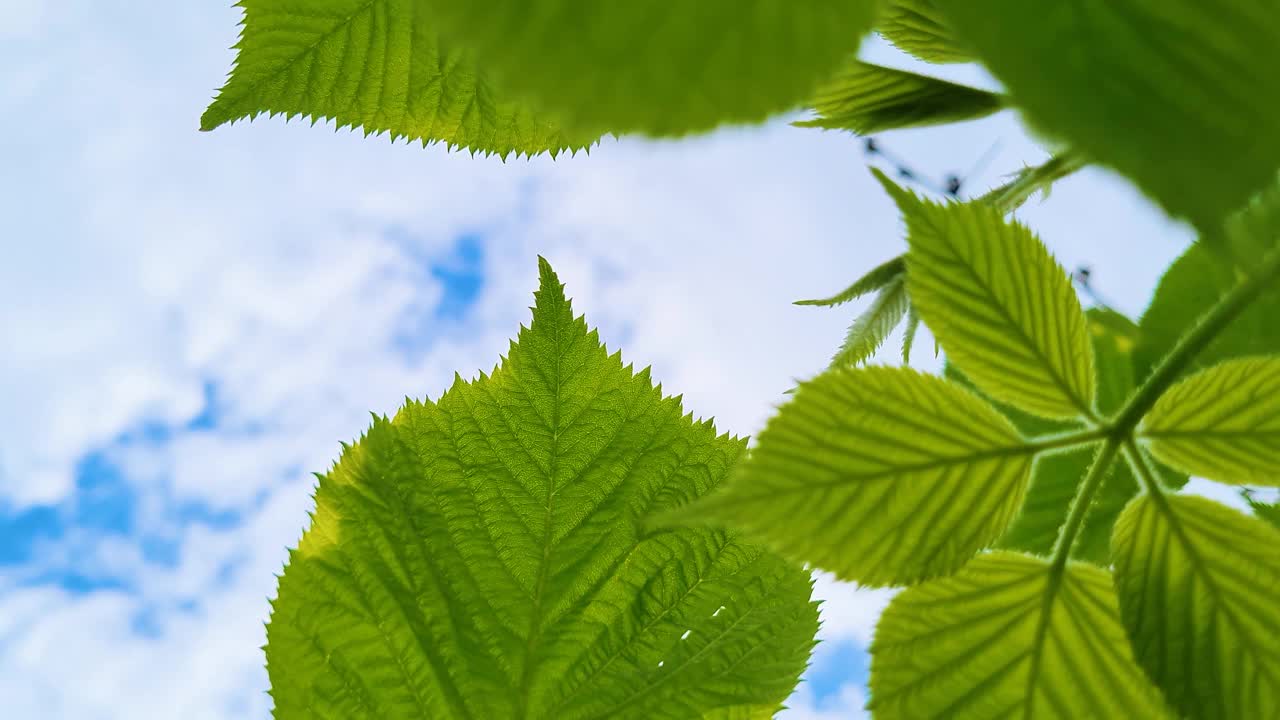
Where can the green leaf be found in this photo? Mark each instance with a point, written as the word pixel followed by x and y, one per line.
pixel 868 98
pixel 1254 231
pixel 1222 423
pixel 881 475
pixel 869 329
pixel 1006 637
pixel 877 278
pixel 1056 476
pixel 909 334
pixel 1032 180
pixel 1198 584
pixel 379 65
pixel 999 304
pixel 1171 93
pixel 658 67
pixel 918 28
pixel 482 556
pixel 1190 286
pixel 1270 512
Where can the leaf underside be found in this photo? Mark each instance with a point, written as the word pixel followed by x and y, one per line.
pixel 918 28
pixel 1222 423
pixel 378 65
pixel 1171 93
pixel 482 556
pixel 999 304
pixel 985 643
pixel 868 98
pixel 658 67
pixel 881 475
pixel 1198 584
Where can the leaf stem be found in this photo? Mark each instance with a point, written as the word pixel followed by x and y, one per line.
pixel 1141 468
pixel 1081 502
pixel 1205 330
pixel 1067 440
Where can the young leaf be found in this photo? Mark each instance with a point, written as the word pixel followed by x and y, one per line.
pixel 877 278
pixel 884 476
pixel 870 328
pixel 999 304
pixel 1198 583
pixel 379 65
pixel 658 67
pixel 1222 423
pixel 482 556
pixel 1191 285
pixel 1032 180
pixel 1004 637
pixel 909 334
pixel 916 27
pixel 1169 92
pixel 1270 512
pixel 868 98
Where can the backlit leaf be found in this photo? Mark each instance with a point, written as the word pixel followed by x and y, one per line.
pixel 482 556
pixel 868 98
pixel 1222 423
pixel 875 279
pixel 918 28
pixel 869 329
pixel 1172 93
pixel 1198 584
pixel 1004 638
pixel 660 67
pixel 998 303
pixel 379 65
pixel 881 475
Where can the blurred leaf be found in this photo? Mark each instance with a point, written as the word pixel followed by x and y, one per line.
pixel 918 28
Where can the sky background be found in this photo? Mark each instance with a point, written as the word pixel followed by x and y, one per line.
pixel 191 323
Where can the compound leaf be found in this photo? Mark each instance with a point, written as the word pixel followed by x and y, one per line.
pixel 482 556
pixel 881 475
pixel 379 65
pixel 868 98
pixel 659 67
pixel 1222 423
pixel 1169 92
pixel 869 329
pixel 1057 476
pixel 1198 584
pixel 999 304
pixel 918 28
pixel 1003 638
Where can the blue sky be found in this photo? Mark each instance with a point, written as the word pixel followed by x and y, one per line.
pixel 192 323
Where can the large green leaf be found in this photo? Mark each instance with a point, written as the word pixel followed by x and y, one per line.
pixel 1193 284
pixel 869 329
pixel 1222 423
pixel 379 65
pixel 1006 638
pixel 660 67
pixel 1176 94
pixel 999 304
pixel 482 556
pixel 918 28
pixel 881 475
pixel 1198 584
pixel 1057 476
pixel 868 98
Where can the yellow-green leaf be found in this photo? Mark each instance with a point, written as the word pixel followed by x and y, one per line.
pixel 1198 584
pixel 1222 423
pixel 868 98
pixel 918 28
pixel 999 304
pixel 1006 638
pixel 881 475
pixel 378 65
